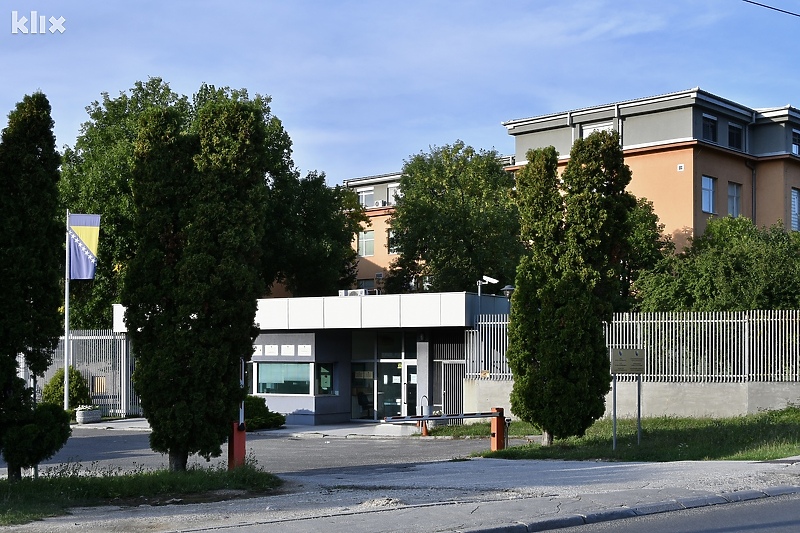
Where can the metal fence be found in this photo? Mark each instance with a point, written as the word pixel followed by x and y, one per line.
pixel 709 347
pixel 103 358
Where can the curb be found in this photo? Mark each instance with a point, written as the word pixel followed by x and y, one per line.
pixel 547 524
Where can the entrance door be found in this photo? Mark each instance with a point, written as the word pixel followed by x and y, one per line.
pixel 397 389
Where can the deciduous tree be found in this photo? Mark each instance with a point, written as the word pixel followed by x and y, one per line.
pixel 733 266
pixel 96 179
pixel 455 222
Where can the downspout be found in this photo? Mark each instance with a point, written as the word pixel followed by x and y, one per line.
pixel 752 166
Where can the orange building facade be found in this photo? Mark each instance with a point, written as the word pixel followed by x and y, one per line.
pixel 693 154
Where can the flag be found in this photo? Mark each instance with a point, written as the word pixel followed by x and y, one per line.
pixel 84 233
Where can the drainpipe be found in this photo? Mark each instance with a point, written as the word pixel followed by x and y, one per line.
pixel 752 166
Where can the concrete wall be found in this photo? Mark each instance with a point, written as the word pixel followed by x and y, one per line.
pixel 714 400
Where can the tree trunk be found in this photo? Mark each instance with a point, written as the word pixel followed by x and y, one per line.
pixel 14 473
pixel 177 461
pixel 547 438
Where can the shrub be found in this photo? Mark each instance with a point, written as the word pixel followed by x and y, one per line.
pixel 39 438
pixel 258 416
pixel 53 391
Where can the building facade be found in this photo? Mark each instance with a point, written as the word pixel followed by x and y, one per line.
pixel 378 195
pixel 693 154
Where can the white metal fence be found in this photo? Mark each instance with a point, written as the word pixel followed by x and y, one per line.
pixel 709 347
pixel 103 358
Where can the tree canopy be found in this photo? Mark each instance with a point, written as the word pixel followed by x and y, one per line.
pixel 568 282
pixel 311 256
pixel 31 269
pixel 733 266
pixel 190 288
pixel 455 221
pixel 96 179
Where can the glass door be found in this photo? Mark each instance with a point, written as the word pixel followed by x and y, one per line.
pixel 410 389
pixel 390 389
pixel 397 389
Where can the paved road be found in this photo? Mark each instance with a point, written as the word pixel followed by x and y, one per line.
pixel 338 481
pixel 772 515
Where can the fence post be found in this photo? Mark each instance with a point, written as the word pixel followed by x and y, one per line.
pixel 498 429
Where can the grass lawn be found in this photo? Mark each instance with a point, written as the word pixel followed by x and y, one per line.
pixel 763 436
pixel 56 490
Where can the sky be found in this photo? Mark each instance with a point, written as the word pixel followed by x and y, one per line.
pixel 362 86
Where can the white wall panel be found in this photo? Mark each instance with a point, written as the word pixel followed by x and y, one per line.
pixel 380 311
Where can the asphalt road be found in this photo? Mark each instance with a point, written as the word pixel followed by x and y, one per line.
pixel 774 515
pixel 274 452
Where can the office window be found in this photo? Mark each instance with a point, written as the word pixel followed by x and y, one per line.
pixel 709 128
pixel 391 245
pixel 795 209
pixel 393 193
pixel 366 243
pixel 735 136
pixel 284 378
pixel 734 199
pixel 709 187
pixel 366 197
pixel 796 142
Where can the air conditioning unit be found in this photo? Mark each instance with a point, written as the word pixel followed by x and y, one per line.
pixel 379 275
pixel 380 203
pixel 356 292
pixel 343 292
pixel 373 291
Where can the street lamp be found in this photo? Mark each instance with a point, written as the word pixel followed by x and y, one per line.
pixel 507 290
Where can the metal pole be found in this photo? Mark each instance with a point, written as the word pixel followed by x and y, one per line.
pixel 639 408
pixel 614 410
pixel 66 322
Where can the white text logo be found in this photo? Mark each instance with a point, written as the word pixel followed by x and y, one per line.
pixel 36 24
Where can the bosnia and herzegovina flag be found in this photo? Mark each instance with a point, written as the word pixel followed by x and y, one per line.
pixel 84 233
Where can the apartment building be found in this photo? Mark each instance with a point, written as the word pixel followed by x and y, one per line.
pixel 378 195
pixel 693 154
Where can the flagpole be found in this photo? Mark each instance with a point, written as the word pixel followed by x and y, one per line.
pixel 66 323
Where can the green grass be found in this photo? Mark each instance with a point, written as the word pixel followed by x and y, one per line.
pixel 69 485
pixel 759 437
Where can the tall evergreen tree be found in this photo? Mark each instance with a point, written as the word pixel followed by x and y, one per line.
pixel 191 288
pixel 31 264
pixel 568 283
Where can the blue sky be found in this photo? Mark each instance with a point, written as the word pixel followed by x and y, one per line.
pixel 363 85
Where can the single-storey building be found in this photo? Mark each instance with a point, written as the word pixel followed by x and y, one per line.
pixel 361 356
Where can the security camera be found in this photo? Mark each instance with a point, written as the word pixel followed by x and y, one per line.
pixel 487 279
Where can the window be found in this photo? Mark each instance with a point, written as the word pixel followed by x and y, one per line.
pixel 366 284
pixel 796 209
pixel 284 378
pixel 588 129
pixel 709 186
pixel 391 245
pixel 366 243
pixel 709 128
pixel 323 379
pixel 735 136
pixel 393 194
pixel 796 142
pixel 734 199
pixel 366 197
